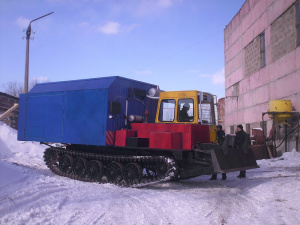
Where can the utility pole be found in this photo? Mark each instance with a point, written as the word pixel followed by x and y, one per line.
pixel 28 33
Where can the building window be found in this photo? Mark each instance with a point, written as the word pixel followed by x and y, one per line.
pixel 284 32
pixel 248 128
pixel 231 129
pixel 262 50
pixel 298 22
pixel 236 90
pixel 255 55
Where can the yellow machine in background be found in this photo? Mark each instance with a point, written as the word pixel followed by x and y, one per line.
pixel 281 109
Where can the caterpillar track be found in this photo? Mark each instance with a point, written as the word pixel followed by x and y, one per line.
pixel 122 170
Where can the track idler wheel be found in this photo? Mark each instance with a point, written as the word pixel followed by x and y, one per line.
pixel 50 155
pixel 94 170
pixel 151 171
pixel 132 173
pixel 161 168
pixel 65 164
pixel 79 167
pixel 114 172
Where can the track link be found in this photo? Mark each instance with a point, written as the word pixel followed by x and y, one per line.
pixel 122 170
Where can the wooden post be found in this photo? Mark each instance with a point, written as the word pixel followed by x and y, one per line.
pixel 269 151
pixel 7 113
pixel 273 137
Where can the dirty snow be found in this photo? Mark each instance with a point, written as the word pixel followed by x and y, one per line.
pixel 31 194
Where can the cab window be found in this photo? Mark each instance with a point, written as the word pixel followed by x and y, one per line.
pixel 185 110
pixel 167 110
pixel 205 113
pixel 206 110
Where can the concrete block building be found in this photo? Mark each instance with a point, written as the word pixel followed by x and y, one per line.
pixel 262 62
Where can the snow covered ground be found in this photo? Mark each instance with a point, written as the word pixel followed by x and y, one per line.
pixel 31 194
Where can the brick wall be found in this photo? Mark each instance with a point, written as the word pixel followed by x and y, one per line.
pixel 6 102
pixel 284 34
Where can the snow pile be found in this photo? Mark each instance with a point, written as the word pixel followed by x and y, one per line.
pixel 288 159
pixel 13 150
pixel 21 153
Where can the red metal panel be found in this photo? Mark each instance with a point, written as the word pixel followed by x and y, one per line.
pixel 165 140
pixel 191 134
pixel 159 140
pixel 143 126
pixel 137 126
pixel 110 137
pixel 121 136
pixel 153 127
pixel 200 133
pixel 186 141
pixel 176 140
pixel 186 128
pixel 143 134
pixel 162 127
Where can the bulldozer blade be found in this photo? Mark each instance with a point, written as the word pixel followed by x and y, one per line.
pixel 234 160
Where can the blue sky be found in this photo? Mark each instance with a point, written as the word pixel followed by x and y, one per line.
pixel 176 44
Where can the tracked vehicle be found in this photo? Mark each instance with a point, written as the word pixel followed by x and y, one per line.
pixel 126 132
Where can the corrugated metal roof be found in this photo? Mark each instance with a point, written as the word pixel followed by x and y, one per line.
pixel 74 85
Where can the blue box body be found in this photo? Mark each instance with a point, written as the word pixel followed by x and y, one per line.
pixel 77 112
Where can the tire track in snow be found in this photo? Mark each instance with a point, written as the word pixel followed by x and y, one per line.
pixel 30 197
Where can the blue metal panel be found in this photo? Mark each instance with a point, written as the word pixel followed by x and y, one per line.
pixel 118 91
pixel 84 121
pixel 22 116
pixel 87 84
pixel 44 116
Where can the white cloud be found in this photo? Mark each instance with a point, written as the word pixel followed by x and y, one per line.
pixel 110 28
pixel 84 24
pixel 204 75
pixel 193 71
pixel 150 7
pixel 132 27
pixel 40 79
pixel 219 77
pixel 22 22
pixel 164 3
pixel 198 73
pixel 143 72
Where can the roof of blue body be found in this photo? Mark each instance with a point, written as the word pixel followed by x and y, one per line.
pixel 74 85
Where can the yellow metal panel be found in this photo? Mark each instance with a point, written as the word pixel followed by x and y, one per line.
pixel 280 106
pixel 177 94
pixel 213 134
